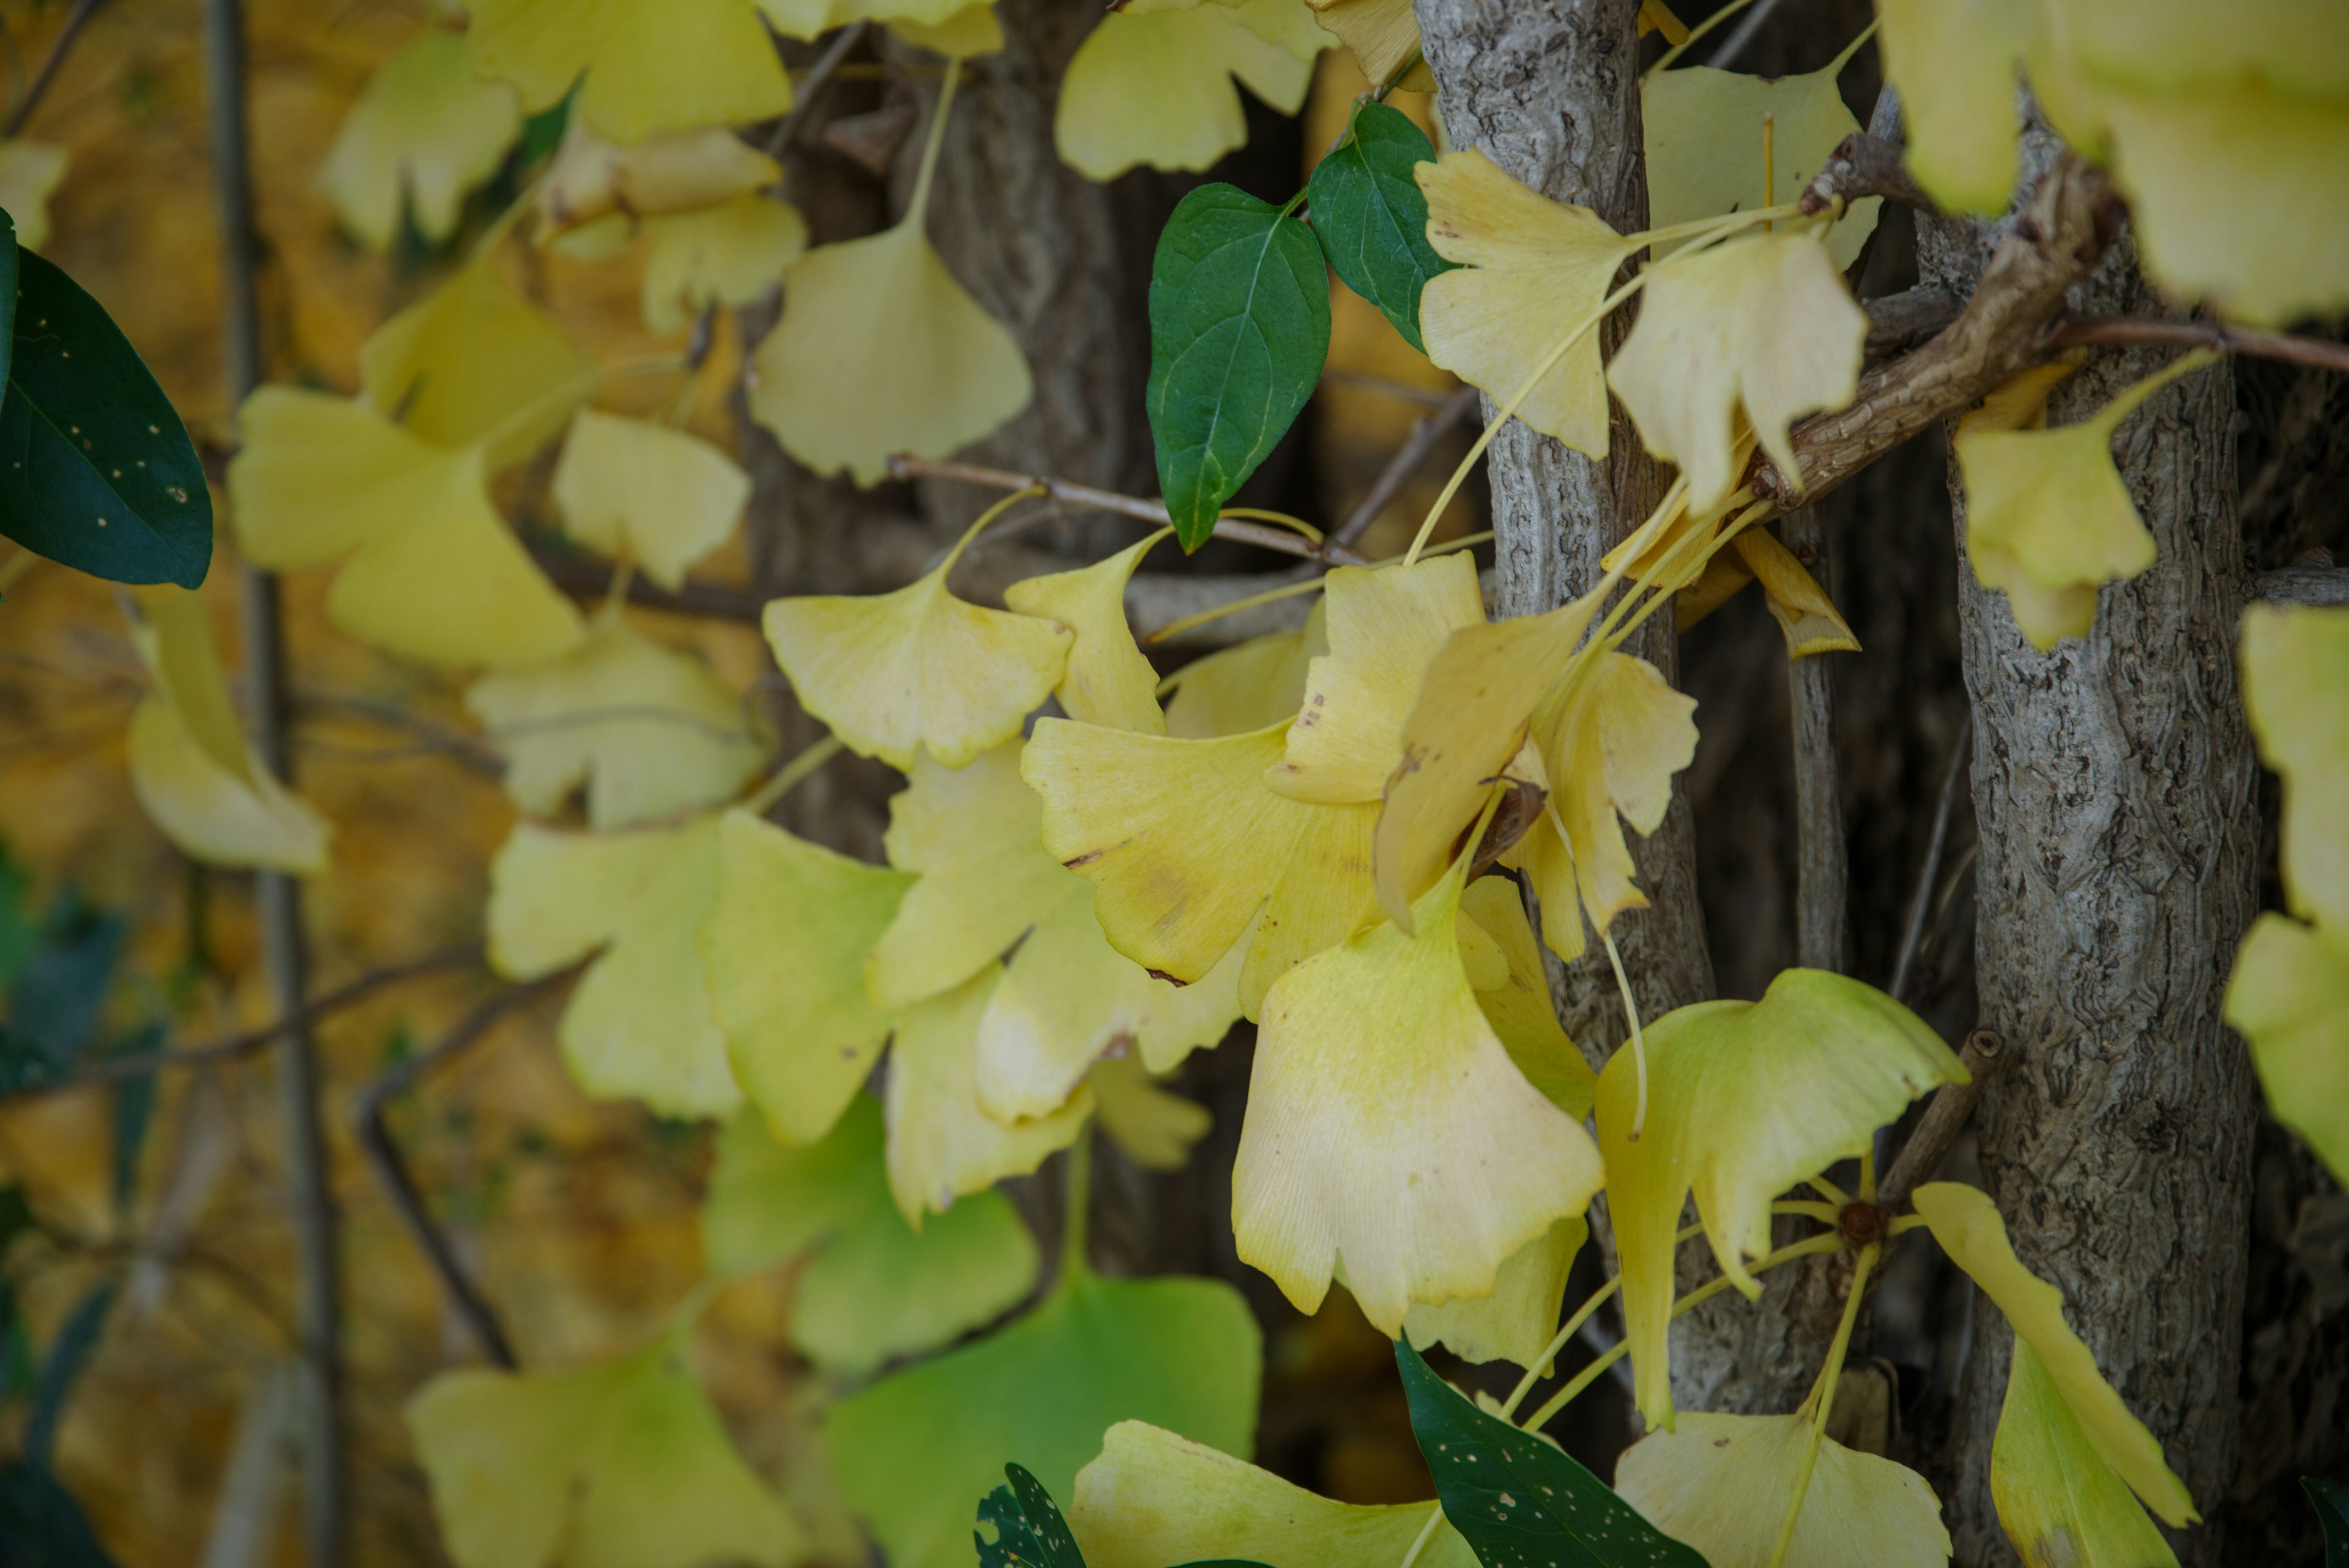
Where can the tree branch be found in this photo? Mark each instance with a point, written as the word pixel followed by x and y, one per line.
pixel 1984 1055
pixel 1425 432
pixel 808 91
pixel 1930 873
pixel 1900 322
pixel 2323 586
pixel 2143 332
pixel 1863 166
pixel 23 110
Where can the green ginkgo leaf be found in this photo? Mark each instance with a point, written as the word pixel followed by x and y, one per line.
pixel 914 1449
pixel 1372 218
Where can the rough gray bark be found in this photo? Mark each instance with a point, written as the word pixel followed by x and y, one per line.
pixel 2114 788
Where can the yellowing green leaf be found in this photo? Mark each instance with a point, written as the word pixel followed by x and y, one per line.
pixel 1519 1319
pixel 917 669
pixel 970 32
pixel 638 1024
pixel 1955 67
pixel 639 68
pixel 942 1143
pixel 1244 686
pixel 424 132
pixel 1065 997
pixel 1466 723
pixel 728 254
pixel 1745 1099
pixel 1155 1128
pixel 1972 1231
pixel 1389 1132
pixel 881 351
pixel 473 362
pixel 29 174
pixel 670 172
pixel 2288 995
pixel 1533 271
pixel 1384 626
pixel 434 574
pixel 1108 680
pixel 622 1466
pixel 2048 518
pixel 1155 1496
pixel 2061 1504
pixel 1797 603
pixel 1723 1484
pixel 190 765
pixel 658 496
pixel 1761 324
pixel 874 1288
pixel 1519 1008
pixel 1180 1353
pixel 647 731
pixel 1703 142
pixel 1384 35
pixel 1155 87
pixel 785 950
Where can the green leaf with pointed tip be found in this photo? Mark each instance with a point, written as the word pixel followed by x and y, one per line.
pixel 96 470
pixel 876 1288
pixel 1515 1495
pixel 1239 324
pixel 910 1450
pixel 1372 218
pixel 2332 1504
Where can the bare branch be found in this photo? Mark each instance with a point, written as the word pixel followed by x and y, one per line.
pixel 1425 432
pixel 1982 1054
pixel 808 91
pixel 1821 863
pixel 1900 322
pixel 2321 586
pixel 1927 874
pixel 1863 166
pixel 2143 332
pixel 23 110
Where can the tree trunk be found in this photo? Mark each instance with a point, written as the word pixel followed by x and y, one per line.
pixel 2114 788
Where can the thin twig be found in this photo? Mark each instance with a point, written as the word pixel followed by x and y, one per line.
pixel 2152 331
pixel 1984 1055
pixel 383 1152
pixel 810 87
pixel 115 1070
pixel 82 12
pixel 1425 432
pixel 1726 55
pixel 1930 872
pixel 1086 496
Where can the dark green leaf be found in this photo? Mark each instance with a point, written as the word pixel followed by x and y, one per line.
pixel 96 470
pixel 2332 1504
pixel 41 1526
pixel 18 931
pixel 134 1110
pixel 1516 1497
pixel 52 1007
pixel 1371 218
pixel 67 1355
pixel 542 131
pixel 1239 324
pixel 1029 1529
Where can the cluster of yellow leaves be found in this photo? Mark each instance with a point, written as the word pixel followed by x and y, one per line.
pixel 2218 123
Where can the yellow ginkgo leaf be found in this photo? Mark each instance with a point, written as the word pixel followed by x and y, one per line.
pixel 473 362
pixel 1518 1319
pixel 1955 67
pixel 917 669
pixel 967 33
pixel 622 1466
pixel 1610 738
pixel 1384 36
pixel 1469 719
pixel 2048 518
pixel 1389 1132
pixel 1801 608
pixel 1065 997
pixel 942 1144
pixel 1970 1230
pixel 190 765
pixel 2058 1501
pixel 726 255
pixel 657 495
pixel 810 19
pixel 1761 324
pixel 1384 626
pixel 670 172
pixel 639 68
pixel 1702 130
pixel 974 833
pixel 1744 1100
pixel 29 173
pixel 1518 1008
pixel 1155 1128
pixel 1155 87
pixel 2289 996
pixel 1723 1484
pixel 639 1024
pixel 648 732
pixel 1533 270
pixel 1108 680
pixel 783 953
pixel 1247 686
pixel 434 573
pixel 1155 1498
pixel 425 132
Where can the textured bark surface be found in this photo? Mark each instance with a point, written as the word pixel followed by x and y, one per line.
pixel 2114 789
pixel 1822 866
